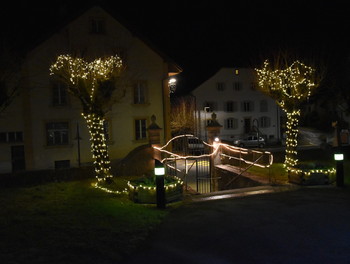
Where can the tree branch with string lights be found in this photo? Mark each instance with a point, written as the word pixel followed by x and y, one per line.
pixel 289 85
pixel 94 84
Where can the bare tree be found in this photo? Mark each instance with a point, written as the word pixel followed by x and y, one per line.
pixel 182 119
pixel 95 85
pixel 9 80
pixel 289 83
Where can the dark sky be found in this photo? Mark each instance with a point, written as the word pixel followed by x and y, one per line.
pixel 202 36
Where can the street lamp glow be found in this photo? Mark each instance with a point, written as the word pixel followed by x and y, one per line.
pixel 172 81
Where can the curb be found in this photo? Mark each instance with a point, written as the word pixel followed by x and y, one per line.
pixel 242 192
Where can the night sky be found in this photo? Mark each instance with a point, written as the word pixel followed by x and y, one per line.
pixel 202 36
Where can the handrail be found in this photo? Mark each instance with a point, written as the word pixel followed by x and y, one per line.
pixel 247 168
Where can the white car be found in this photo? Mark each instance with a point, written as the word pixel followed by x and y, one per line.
pixel 250 141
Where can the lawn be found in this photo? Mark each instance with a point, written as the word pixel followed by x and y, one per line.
pixel 71 222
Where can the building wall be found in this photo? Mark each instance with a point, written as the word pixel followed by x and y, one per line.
pixel 33 109
pixel 231 93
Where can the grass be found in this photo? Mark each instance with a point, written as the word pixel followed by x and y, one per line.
pixel 71 222
pixel 276 173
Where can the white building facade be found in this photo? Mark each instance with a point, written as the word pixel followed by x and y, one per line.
pixel 240 108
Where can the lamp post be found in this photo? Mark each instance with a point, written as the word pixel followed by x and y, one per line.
pixel 78 138
pixel 159 172
pixel 339 157
pixel 206 110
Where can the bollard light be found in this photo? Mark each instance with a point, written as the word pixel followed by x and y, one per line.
pixel 159 169
pixel 159 172
pixel 339 157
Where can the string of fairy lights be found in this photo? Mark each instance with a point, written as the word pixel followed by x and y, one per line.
pixel 217 148
pixel 98 146
pixel 83 79
pixel 289 87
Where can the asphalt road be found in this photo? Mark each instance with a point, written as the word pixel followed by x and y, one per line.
pixel 305 225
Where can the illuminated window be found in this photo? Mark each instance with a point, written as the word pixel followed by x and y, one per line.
pixel 140 129
pixel 140 93
pixel 237 71
pixel 57 133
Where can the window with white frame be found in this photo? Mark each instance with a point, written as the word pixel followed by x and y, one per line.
pixel 140 129
pixel 265 121
pixel 11 137
pixel 97 25
pixel 140 92
pixel 231 123
pixel 247 106
pixel 57 133
pixel 220 86
pixel 230 106
pixel 59 94
pixel 237 86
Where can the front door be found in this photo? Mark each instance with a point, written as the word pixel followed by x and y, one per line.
pixel 17 158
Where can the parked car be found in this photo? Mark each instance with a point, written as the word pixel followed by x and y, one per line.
pixel 195 146
pixel 311 174
pixel 250 141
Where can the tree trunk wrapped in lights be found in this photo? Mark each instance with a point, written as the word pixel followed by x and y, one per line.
pixel 289 87
pixel 98 146
pixel 94 84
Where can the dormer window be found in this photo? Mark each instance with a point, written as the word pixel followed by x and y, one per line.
pixel 97 26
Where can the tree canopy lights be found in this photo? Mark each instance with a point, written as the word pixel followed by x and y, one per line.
pixel 93 83
pixel 289 87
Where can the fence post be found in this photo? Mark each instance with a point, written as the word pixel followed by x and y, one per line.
pixel 154 136
pixel 213 129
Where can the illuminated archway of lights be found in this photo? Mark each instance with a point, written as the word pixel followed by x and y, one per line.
pixel 289 87
pixel 84 80
pixel 216 147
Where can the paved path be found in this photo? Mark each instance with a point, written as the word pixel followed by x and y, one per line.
pixel 305 225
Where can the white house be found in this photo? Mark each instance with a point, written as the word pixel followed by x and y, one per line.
pixel 240 108
pixel 39 129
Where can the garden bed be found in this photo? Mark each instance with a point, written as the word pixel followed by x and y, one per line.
pixel 143 190
pixel 311 174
